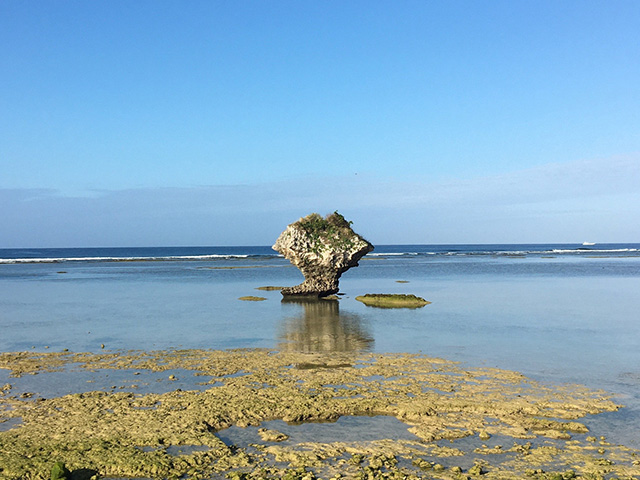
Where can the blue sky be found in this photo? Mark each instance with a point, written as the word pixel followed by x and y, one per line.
pixel 218 123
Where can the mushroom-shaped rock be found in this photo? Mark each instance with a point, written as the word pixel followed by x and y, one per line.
pixel 323 249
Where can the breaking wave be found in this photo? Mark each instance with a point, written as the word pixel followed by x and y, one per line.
pixel 178 254
pixel 171 258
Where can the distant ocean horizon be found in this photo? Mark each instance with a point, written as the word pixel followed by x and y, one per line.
pixel 204 253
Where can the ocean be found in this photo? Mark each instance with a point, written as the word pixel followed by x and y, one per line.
pixel 558 313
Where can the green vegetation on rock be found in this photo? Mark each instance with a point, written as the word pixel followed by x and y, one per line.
pixel 388 300
pixel 332 223
pixel 330 232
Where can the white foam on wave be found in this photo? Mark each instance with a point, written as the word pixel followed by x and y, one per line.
pixel 595 250
pixel 451 253
pixel 119 259
pixel 392 254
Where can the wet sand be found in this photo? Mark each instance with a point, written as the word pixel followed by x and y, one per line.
pixel 197 413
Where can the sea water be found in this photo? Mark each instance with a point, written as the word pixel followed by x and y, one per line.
pixel 557 313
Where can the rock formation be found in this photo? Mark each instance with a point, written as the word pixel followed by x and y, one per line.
pixel 323 249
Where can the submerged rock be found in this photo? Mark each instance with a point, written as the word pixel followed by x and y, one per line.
pixel 323 249
pixel 272 435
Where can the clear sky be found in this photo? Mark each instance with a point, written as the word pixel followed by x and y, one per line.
pixel 144 123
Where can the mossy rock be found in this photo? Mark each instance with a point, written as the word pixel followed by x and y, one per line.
pixel 251 298
pixel 60 472
pixel 389 300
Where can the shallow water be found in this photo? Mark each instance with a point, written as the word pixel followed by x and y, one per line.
pixel 345 429
pixel 73 379
pixel 557 317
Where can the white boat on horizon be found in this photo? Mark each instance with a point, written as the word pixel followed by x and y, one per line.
pixel 588 243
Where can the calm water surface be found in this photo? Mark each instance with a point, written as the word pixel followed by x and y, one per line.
pixel 557 313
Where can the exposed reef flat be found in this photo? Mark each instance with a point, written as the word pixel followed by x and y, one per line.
pixel 252 298
pixel 388 300
pixel 467 421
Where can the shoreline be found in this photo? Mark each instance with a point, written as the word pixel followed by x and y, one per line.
pixel 464 420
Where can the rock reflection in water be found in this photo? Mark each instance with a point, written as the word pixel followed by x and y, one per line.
pixel 321 328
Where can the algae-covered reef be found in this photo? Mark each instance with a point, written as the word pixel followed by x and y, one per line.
pixel 484 423
pixel 392 300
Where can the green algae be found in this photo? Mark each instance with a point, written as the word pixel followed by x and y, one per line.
pixel 60 472
pixel 129 435
pixel 331 232
pixel 251 298
pixel 388 300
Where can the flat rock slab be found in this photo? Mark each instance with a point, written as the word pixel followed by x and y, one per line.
pixel 387 300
